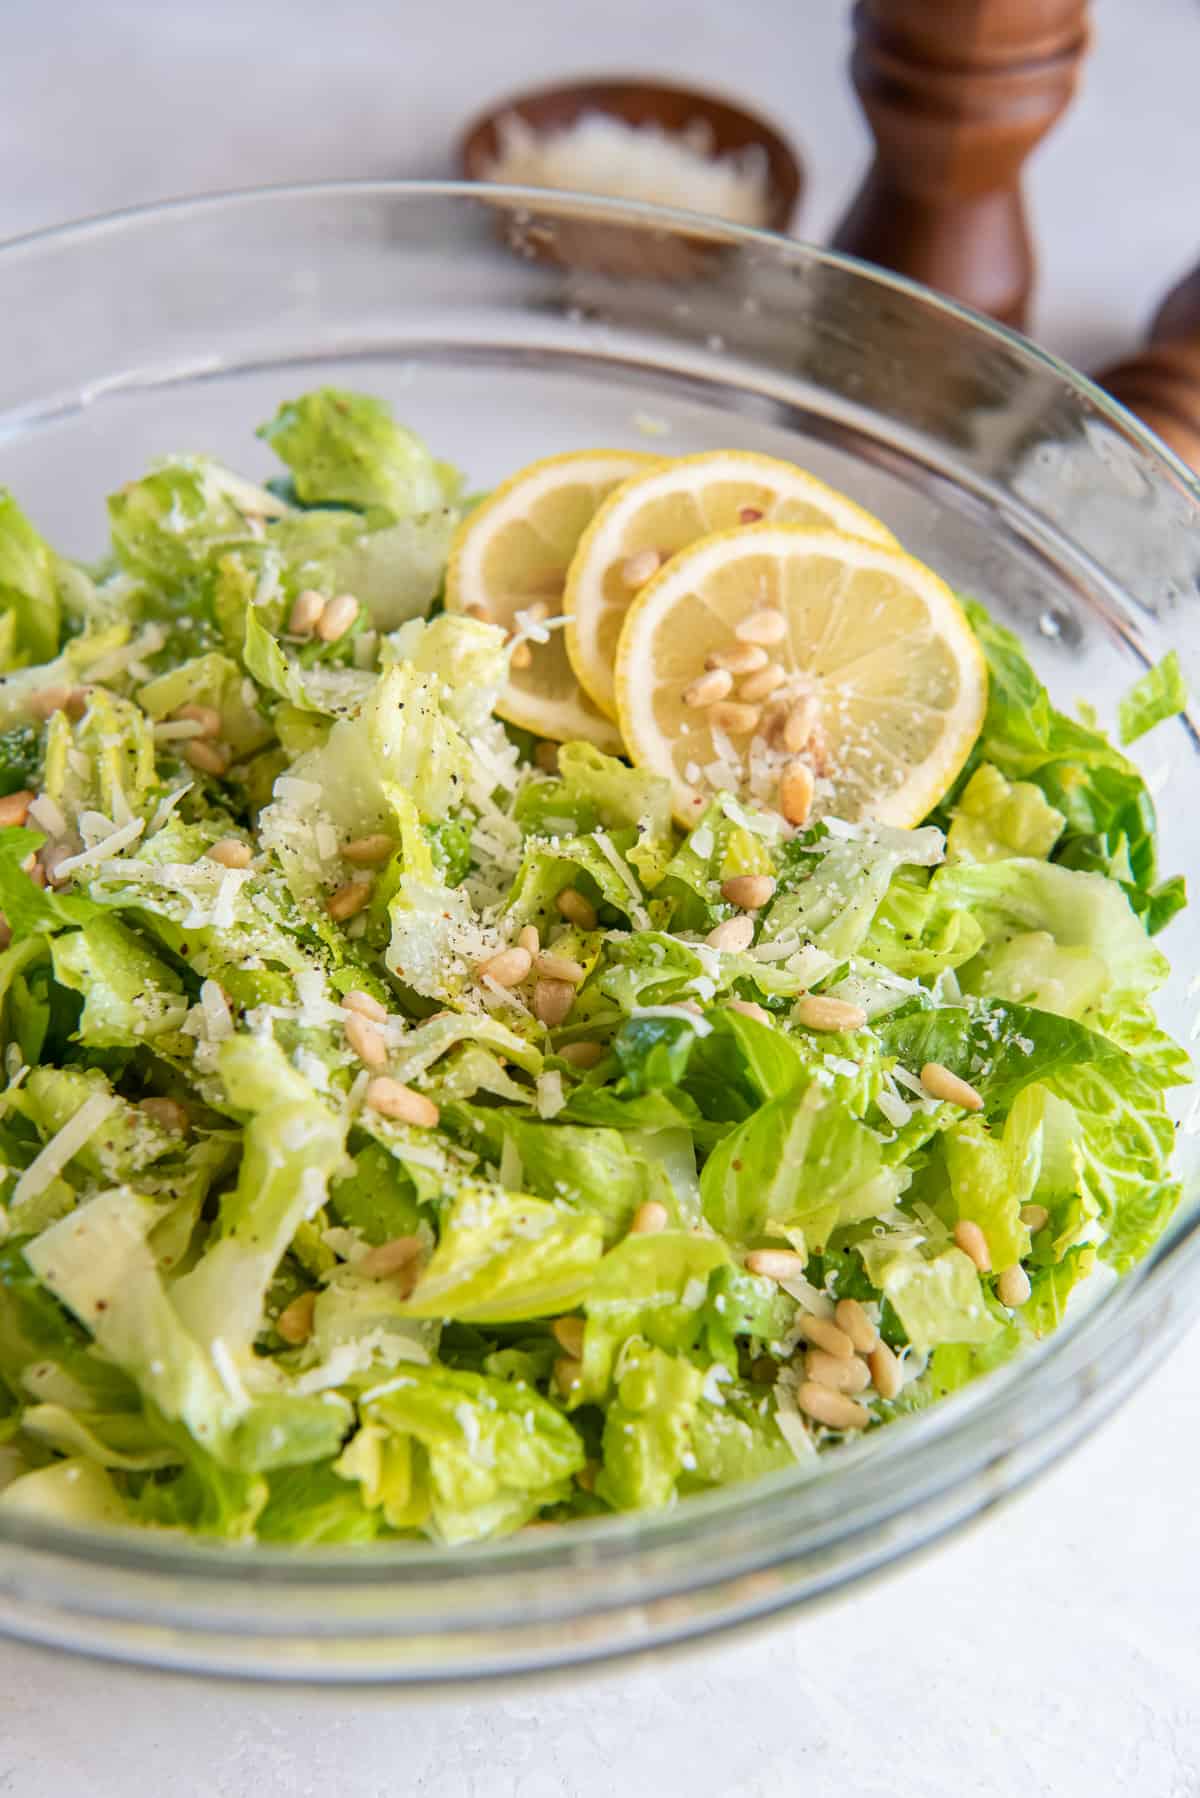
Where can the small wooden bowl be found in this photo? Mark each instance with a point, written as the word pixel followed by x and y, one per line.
pixel 637 102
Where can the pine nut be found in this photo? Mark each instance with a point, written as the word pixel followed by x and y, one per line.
pixel 567 1374
pixel 742 658
pixel 1013 1287
pixel 746 1008
pixel 231 853
pixel 366 1041
pixel 552 1002
pixel 51 859
pixel 14 808
pixel 306 613
pixel 528 939
pixel 637 569
pixel 388 1258
pixel 731 716
pixel 520 656
pixel 559 967
pixel 368 852
pixel 796 788
pixel 582 1055
pixel 798 726
pixel 940 1083
pixel 568 1332
pixel 733 935
pixel 349 900
pixel 823 1333
pixel 764 626
pixel 206 716
pixel 887 1376
pixel 649 1219
pixel 295 1321
pixel 365 1005
pixel 763 684
pixel 972 1241
pixel 706 689
pixel 748 514
pixel 857 1325
pixel 337 617
pixel 392 1099
pixel 576 909
pixel 586 1477
pixel 49 700
pixel 168 1114
pixel 546 757
pixel 508 968
pixel 750 891
pixel 1034 1217
pixel 479 613
pixel 816 1012
pixel 775 1264
pixel 209 758
pixel 840 1375
pixel 833 1409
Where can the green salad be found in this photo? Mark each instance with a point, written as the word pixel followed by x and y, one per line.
pixel 394 1141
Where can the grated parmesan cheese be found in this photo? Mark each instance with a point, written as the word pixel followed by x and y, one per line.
pixel 701 1026
pixel 98 852
pixel 601 154
pixel 639 916
pixel 62 1147
pixel 47 817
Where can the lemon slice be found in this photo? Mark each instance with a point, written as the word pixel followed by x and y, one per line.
pixel 803 670
pixel 511 555
pixel 660 512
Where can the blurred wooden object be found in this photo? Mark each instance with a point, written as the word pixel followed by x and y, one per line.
pixel 1162 384
pixel 957 93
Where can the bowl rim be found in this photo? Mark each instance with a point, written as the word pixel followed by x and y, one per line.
pixel 602 209
pixel 960 1421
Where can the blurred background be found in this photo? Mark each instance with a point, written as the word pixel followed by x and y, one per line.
pixel 109 103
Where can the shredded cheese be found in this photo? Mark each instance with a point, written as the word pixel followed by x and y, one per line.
pixel 63 1146
pixel 601 154
pixel 111 845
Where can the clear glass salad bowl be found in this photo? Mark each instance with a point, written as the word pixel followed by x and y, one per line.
pixel 503 328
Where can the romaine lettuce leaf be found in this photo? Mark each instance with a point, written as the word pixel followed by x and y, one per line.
pixel 130 995
pixel 1160 694
pixel 489 1453
pixel 346 449
pixel 505 1256
pixel 655 1287
pixel 1110 821
pixel 802 1162
pixel 937 1299
pixel 832 884
pixel 648 1428
pixel 995 818
pixel 1010 899
pixel 75 1492
pixel 29 596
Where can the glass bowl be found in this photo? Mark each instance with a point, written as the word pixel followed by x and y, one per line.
pixel 181 328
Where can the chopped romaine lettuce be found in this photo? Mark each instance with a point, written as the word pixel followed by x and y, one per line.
pixel 320 1224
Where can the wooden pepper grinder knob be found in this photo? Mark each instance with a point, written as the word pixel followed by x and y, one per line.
pixel 1162 385
pixel 957 93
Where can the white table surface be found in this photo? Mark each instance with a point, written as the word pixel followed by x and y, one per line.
pixel 1054 1648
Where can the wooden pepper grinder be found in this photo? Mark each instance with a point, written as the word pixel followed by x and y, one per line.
pixel 1162 384
pixel 957 93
